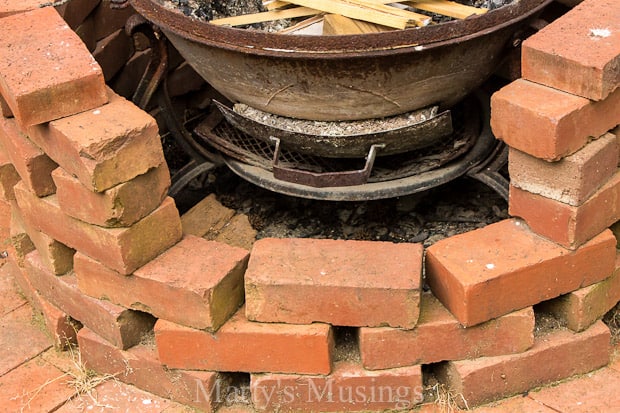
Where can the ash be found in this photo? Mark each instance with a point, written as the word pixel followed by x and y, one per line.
pixel 214 9
pixel 457 207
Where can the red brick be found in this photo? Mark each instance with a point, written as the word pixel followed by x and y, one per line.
pixel 60 327
pixel 570 226
pixel 439 336
pixel 86 32
pixel 108 20
pixel 581 308
pixel 245 346
pixel 555 356
pixel 116 397
pixel 33 166
pixel 9 297
pixel 119 206
pixel 122 249
pixel 5 225
pixel 20 340
pixel 35 387
pixel 63 78
pixel 124 328
pixel 126 81
pixel 348 388
pixel 345 283
pixel 507 267
pixel 113 52
pixel 21 244
pixel 206 218
pixel 5 110
pixel 184 79
pixel 196 283
pixel 9 7
pixel 104 147
pixel 74 12
pixel 578 58
pixel 8 177
pixel 570 180
pixel 56 256
pixel 140 366
pixel 516 404
pixel 594 392
pixel 558 123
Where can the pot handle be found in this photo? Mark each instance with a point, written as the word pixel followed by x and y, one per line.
pixel 324 179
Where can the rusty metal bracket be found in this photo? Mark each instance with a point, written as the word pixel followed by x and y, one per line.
pixel 324 179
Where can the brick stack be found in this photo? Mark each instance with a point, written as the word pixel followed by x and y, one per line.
pixel 96 242
pixel 565 187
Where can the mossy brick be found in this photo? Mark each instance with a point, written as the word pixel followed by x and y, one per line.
pixel 555 356
pixel 558 123
pixel 120 206
pixel 122 327
pixel 32 165
pixel 345 283
pixel 196 283
pixel 571 180
pixel 62 76
pixel 241 345
pixel 507 267
pixel 349 388
pixel 104 147
pixel 439 337
pixel 581 308
pixel 578 53
pixel 569 226
pixel 140 366
pixel 122 249
pixel 8 177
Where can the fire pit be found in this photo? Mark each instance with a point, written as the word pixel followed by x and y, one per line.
pixel 350 76
pixel 423 72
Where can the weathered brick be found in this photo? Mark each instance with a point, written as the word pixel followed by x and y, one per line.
pixel 60 327
pixel 140 366
pixel 196 283
pixel 507 267
pixel 63 78
pixel 581 308
pixel 8 176
pixel 122 249
pixel 345 283
pixel 9 7
pixel 112 52
pixel 206 217
pixel 74 12
pixel 348 388
pixel 570 226
pixel 21 244
pixel 86 32
pixel 119 206
pixel 578 58
pixel 238 233
pixel 20 340
pixel 439 336
pixel 10 299
pixel 558 123
pixel 56 256
pixel 245 346
pixel 104 147
pixel 126 81
pixel 5 110
pixel 108 20
pixel 122 327
pixel 5 224
pixel 491 378
pixel 570 180
pixel 35 386
pixel 33 166
pixel 184 79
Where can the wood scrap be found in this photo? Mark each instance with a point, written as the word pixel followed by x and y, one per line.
pixel 335 24
pixel 252 18
pixel 446 8
pixel 304 24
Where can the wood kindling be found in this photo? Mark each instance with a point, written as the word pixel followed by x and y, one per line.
pixel 335 24
pixel 265 16
pixel 446 8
